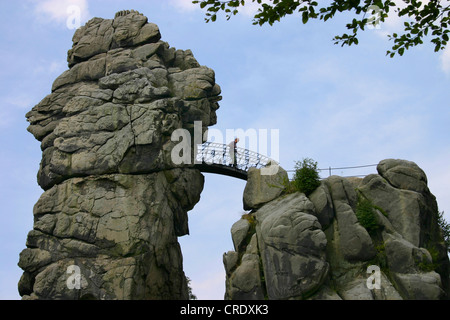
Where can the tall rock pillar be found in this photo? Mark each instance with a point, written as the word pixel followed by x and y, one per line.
pixel 106 226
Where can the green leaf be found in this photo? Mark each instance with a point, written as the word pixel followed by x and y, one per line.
pixel 305 17
pixel 425 17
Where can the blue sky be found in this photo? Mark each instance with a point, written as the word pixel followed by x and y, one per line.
pixel 340 106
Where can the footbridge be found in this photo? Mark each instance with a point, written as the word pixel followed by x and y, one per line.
pixel 221 159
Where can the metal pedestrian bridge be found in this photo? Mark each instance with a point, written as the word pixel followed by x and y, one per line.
pixel 221 159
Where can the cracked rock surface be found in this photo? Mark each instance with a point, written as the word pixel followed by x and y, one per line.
pixel 319 247
pixel 114 202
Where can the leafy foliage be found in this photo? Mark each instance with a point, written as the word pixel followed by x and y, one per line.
pixel 366 215
pixel 427 266
pixel 445 227
pixel 250 218
pixel 251 231
pixel 192 296
pixel 306 178
pixel 427 18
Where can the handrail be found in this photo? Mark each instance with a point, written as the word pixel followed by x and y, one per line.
pixel 212 153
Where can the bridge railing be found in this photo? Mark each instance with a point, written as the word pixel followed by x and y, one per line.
pixel 355 171
pixel 221 154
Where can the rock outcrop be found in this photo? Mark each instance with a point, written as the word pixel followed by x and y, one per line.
pixel 322 247
pixel 106 226
pixel 114 202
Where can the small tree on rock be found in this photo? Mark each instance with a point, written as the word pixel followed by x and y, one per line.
pixel 306 178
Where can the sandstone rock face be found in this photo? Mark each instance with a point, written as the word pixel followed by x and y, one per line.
pixel 261 189
pixel 292 247
pixel 114 110
pixel 287 248
pixel 318 248
pixel 106 226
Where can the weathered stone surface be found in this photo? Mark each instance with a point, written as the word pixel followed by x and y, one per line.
pixel 115 108
pixel 387 290
pixel 230 260
pixel 403 208
pixel 326 293
pixel 420 286
pixel 292 247
pixel 113 217
pixel 354 241
pixel 404 257
pixel 302 258
pixel 91 70
pixel 106 226
pixel 404 175
pixel 114 202
pixel 239 231
pixel 356 290
pixel 323 204
pixel 401 191
pixel 127 29
pixel 244 283
pixel 261 189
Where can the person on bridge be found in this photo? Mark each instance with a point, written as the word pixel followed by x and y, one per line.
pixel 233 151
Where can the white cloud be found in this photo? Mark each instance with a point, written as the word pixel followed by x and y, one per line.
pixel 250 9
pixel 60 10
pixel 393 23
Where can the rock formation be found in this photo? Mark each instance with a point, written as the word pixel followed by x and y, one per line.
pixel 106 226
pixel 319 247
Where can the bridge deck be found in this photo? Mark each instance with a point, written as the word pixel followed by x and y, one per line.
pixel 223 170
pixel 234 162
